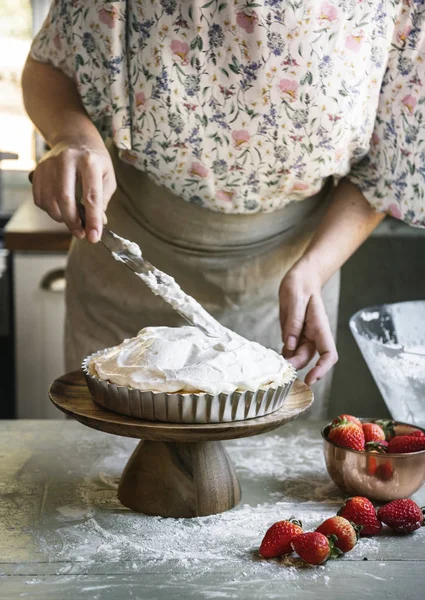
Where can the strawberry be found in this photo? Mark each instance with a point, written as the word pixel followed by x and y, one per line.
pixel 387 425
pixel 371 464
pixel 360 511
pixel 382 470
pixel 404 516
pixel 380 447
pixel 346 533
pixel 315 548
pixel 373 432
pixel 347 434
pixel 338 420
pixel 417 433
pixel 406 443
pixel 385 471
pixel 277 540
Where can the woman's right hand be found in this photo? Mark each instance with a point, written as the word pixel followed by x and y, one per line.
pixel 55 178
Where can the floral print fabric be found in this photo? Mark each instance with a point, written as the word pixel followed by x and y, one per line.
pixel 244 106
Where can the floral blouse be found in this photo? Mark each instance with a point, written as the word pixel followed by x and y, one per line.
pixel 244 106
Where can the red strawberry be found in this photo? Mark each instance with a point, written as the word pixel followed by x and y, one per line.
pixel 371 464
pixel 382 470
pixel 347 434
pixel 417 433
pixel 385 471
pixel 277 540
pixel 360 511
pixel 373 432
pixel 315 548
pixel 406 443
pixel 373 448
pixel 404 516
pixel 380 447
pixel 346 534
pixel 338 420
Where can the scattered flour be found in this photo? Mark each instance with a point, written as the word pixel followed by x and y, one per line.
pixel 90 531
pixel 74 512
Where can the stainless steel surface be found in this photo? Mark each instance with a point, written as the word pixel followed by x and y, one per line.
pixel 381 477
pixel 185 408
pixel 65 536
pixel 391 338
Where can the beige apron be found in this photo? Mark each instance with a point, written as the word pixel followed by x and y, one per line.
pixel 232 264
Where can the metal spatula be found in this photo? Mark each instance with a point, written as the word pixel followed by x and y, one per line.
pixel 141 267
pixel 136 263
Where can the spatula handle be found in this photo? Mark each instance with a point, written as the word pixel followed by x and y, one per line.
pixel 82 213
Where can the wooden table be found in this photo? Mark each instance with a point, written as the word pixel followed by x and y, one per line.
pixel 65 536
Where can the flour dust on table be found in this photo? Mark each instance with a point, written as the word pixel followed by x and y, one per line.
pixel 97 529
pixel 63 533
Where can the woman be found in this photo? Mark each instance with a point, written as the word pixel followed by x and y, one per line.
pixel 224 125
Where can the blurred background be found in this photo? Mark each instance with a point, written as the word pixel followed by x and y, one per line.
pixel 390 267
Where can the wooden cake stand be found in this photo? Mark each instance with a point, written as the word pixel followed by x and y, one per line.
pixel 177 470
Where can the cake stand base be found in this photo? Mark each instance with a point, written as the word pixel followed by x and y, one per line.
pixel 179 480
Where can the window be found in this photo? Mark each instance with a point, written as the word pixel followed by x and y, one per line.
pixel 16 130
pixel 19 21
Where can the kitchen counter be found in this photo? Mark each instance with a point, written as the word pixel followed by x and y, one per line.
pixel 31 229
pixel 65 536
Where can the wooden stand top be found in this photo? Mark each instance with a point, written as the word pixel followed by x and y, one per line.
pixel 70 394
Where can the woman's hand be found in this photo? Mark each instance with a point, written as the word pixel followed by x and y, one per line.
pixel 54 184
pixel 77 151
pixel 305 325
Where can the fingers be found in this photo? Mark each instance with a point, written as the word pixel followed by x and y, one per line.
pixel 66 199
pixel 54 187
pixel 305 325
pixel 43 195
pixel 92 184
pixel 293 305
pixel 320 333
pixel 109 187
pixel 293 323
pixel 303 355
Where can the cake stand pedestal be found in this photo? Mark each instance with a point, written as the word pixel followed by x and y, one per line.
pixel 177 470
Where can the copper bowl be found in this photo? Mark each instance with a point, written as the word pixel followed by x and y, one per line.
pixel 380 477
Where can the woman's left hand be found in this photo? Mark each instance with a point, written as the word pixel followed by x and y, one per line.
pixel 348 221
pixel 305 325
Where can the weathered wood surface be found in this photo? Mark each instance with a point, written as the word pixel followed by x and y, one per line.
pixel 71 395
pixel 65 536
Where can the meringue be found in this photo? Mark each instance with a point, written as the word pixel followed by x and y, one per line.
pixel 185 360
